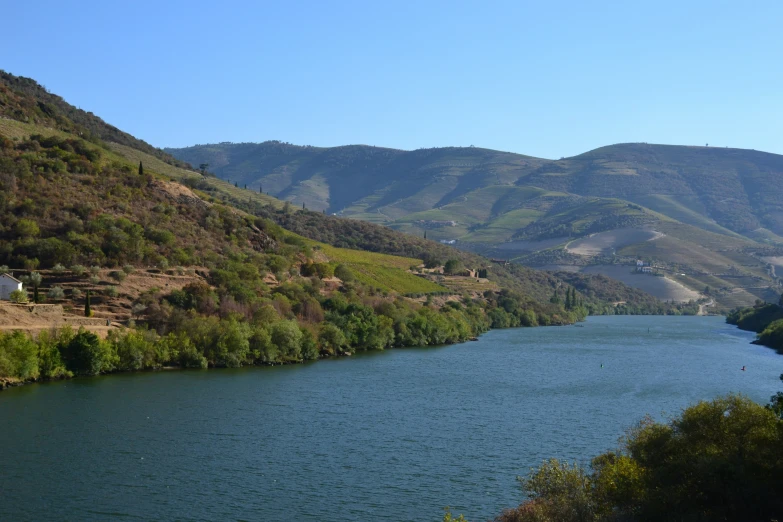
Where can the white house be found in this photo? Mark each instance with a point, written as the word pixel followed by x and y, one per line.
pixel 8 284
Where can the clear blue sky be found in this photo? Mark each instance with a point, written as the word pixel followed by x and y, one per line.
pixel 548 79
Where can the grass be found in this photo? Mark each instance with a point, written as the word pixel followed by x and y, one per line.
pixel 382 271
pixel 394 280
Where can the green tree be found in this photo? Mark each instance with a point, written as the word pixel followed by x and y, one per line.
pixel 87 308
pixel 453 267
pixel 287 337
pixel 141 169
pixel 83 354
pixel 36 280
pixel 26 228
pixel 331 339
pixel 18 356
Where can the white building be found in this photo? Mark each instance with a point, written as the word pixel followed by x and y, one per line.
pixel 8 284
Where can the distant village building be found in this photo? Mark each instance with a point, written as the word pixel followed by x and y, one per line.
pixel 448 241
pixel 643 267
pixel 8 284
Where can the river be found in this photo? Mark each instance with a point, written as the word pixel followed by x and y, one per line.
pixel 393 435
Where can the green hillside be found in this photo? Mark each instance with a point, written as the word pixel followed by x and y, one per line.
pixel 174 267
pixel 713 213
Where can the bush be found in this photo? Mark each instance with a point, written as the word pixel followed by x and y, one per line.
pixel 95 270
pixel 118 276
pixel 58 268
pixel 18 356
pixel 128 269
pixel 18 296
pixel 111 291
pixel 78 270
pixel 718 460
pixel 55 292
pixel 452 267
pixel 344 273
pixel 76 293
pixel 85 355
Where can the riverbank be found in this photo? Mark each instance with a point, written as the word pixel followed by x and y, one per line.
pixel 7 382
pixel 766 320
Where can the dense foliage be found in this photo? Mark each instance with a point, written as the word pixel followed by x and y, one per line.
pixel 764 319
pixel 718 460
pixel 63 201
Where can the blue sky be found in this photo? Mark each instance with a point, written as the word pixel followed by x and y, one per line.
pixel 548 79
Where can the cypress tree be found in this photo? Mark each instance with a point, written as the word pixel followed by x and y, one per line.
pixel 141 169
pixel 425 234
pixel 87 309
pixel 35 294
pixel 260 189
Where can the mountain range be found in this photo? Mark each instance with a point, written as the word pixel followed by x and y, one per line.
pixel 709 220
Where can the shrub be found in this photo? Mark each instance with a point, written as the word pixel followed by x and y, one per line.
pixel 58 268
pixel 18 296
pixel 76 293
pixel 84 355
pixel 128 269
pixel 26 228
pixel 452 267
pixel 111 291
pixel 95 279
pixel 55 292
pixel 344 273
pixel 118 276
pixel 18 356
pixel 95 270
pixel 78 270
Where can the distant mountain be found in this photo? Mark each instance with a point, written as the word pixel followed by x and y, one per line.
pixel 358 179
pixel 707 217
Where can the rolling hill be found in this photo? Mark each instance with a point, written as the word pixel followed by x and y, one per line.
pixel 114 234
pixel 708 219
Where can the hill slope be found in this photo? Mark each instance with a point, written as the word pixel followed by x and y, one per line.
pixel 707 218
pixel 121 232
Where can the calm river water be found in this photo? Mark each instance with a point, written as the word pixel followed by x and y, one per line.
pixel 392 436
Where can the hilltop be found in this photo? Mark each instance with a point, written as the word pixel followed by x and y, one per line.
pixel 709 220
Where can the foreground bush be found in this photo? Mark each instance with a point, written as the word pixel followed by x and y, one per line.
pixel 718 461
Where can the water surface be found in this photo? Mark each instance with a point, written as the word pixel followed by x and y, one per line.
pixel 391 436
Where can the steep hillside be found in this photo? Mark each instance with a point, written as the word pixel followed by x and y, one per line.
pixel 706 218
pixel 737 189
pixel 372 183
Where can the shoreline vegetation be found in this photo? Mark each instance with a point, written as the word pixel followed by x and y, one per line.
pixel 181 338
pixel 765 319
pixel 717 460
